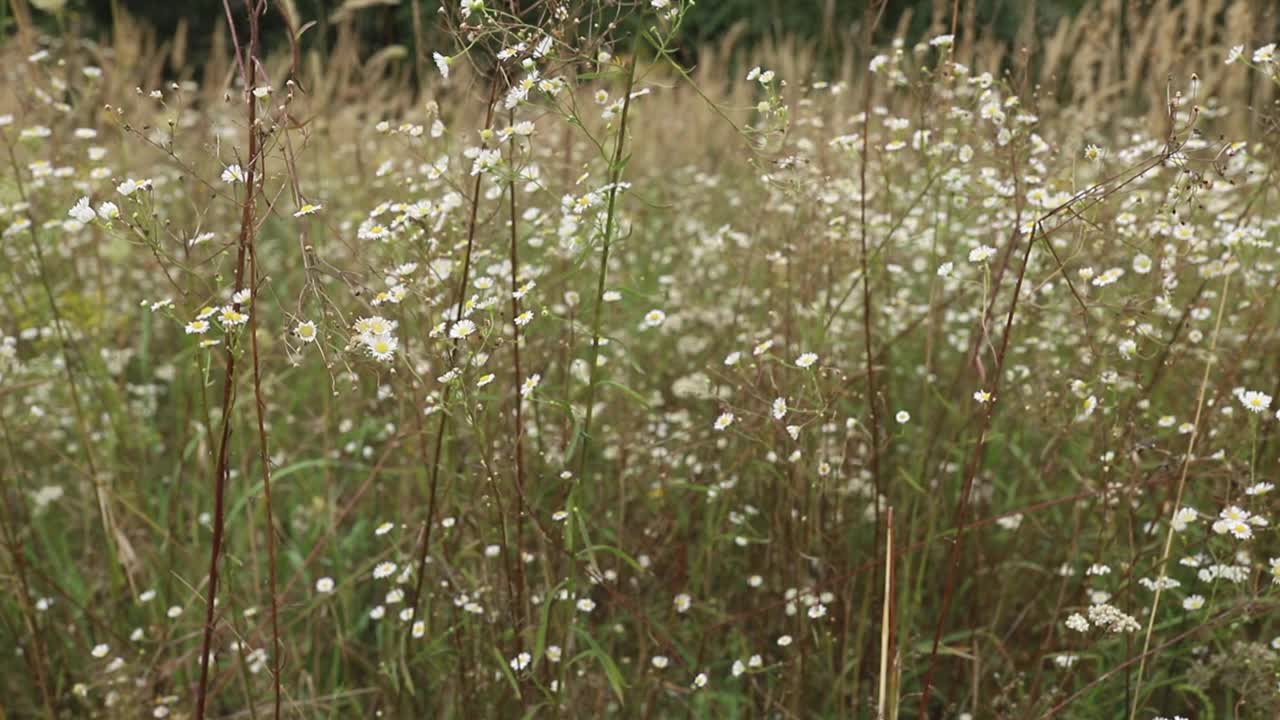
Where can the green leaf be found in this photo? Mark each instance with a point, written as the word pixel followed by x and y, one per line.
pixel 627 391
pixel 612 551
pixel 1205 702
pixel 606 662
pixel 281 474
pixel 506 670
pixel 540 641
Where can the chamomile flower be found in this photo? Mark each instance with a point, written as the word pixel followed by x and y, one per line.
pixel 779 408
pixel 382 347
pixel 1235 521
pixel 654 318
pixel 1255 401
pixel 1183 518
pixel 35 132
pixel 530 384
pixel 442 64
pixel 981 254
pixel 462 329
pixel 1108 277
pixel 305 331
pixel 1066 661
pixel 231 174
pixel 231 318
pixel 1087 407
pixel 370 230
pixel 131 186
pixel 376 325
pixel 81 211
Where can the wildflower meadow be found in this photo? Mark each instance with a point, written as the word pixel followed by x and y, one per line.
pixel 540 365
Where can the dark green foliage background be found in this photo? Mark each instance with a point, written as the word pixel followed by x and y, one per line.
pixel 830 24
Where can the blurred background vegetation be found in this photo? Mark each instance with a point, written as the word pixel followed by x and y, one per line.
pixel 1081 53
pixel 831 25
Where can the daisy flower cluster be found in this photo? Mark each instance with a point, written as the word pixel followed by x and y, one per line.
pixel 376 336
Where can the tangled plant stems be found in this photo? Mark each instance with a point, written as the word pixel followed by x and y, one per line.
pixel 247 60
pixel 935 381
